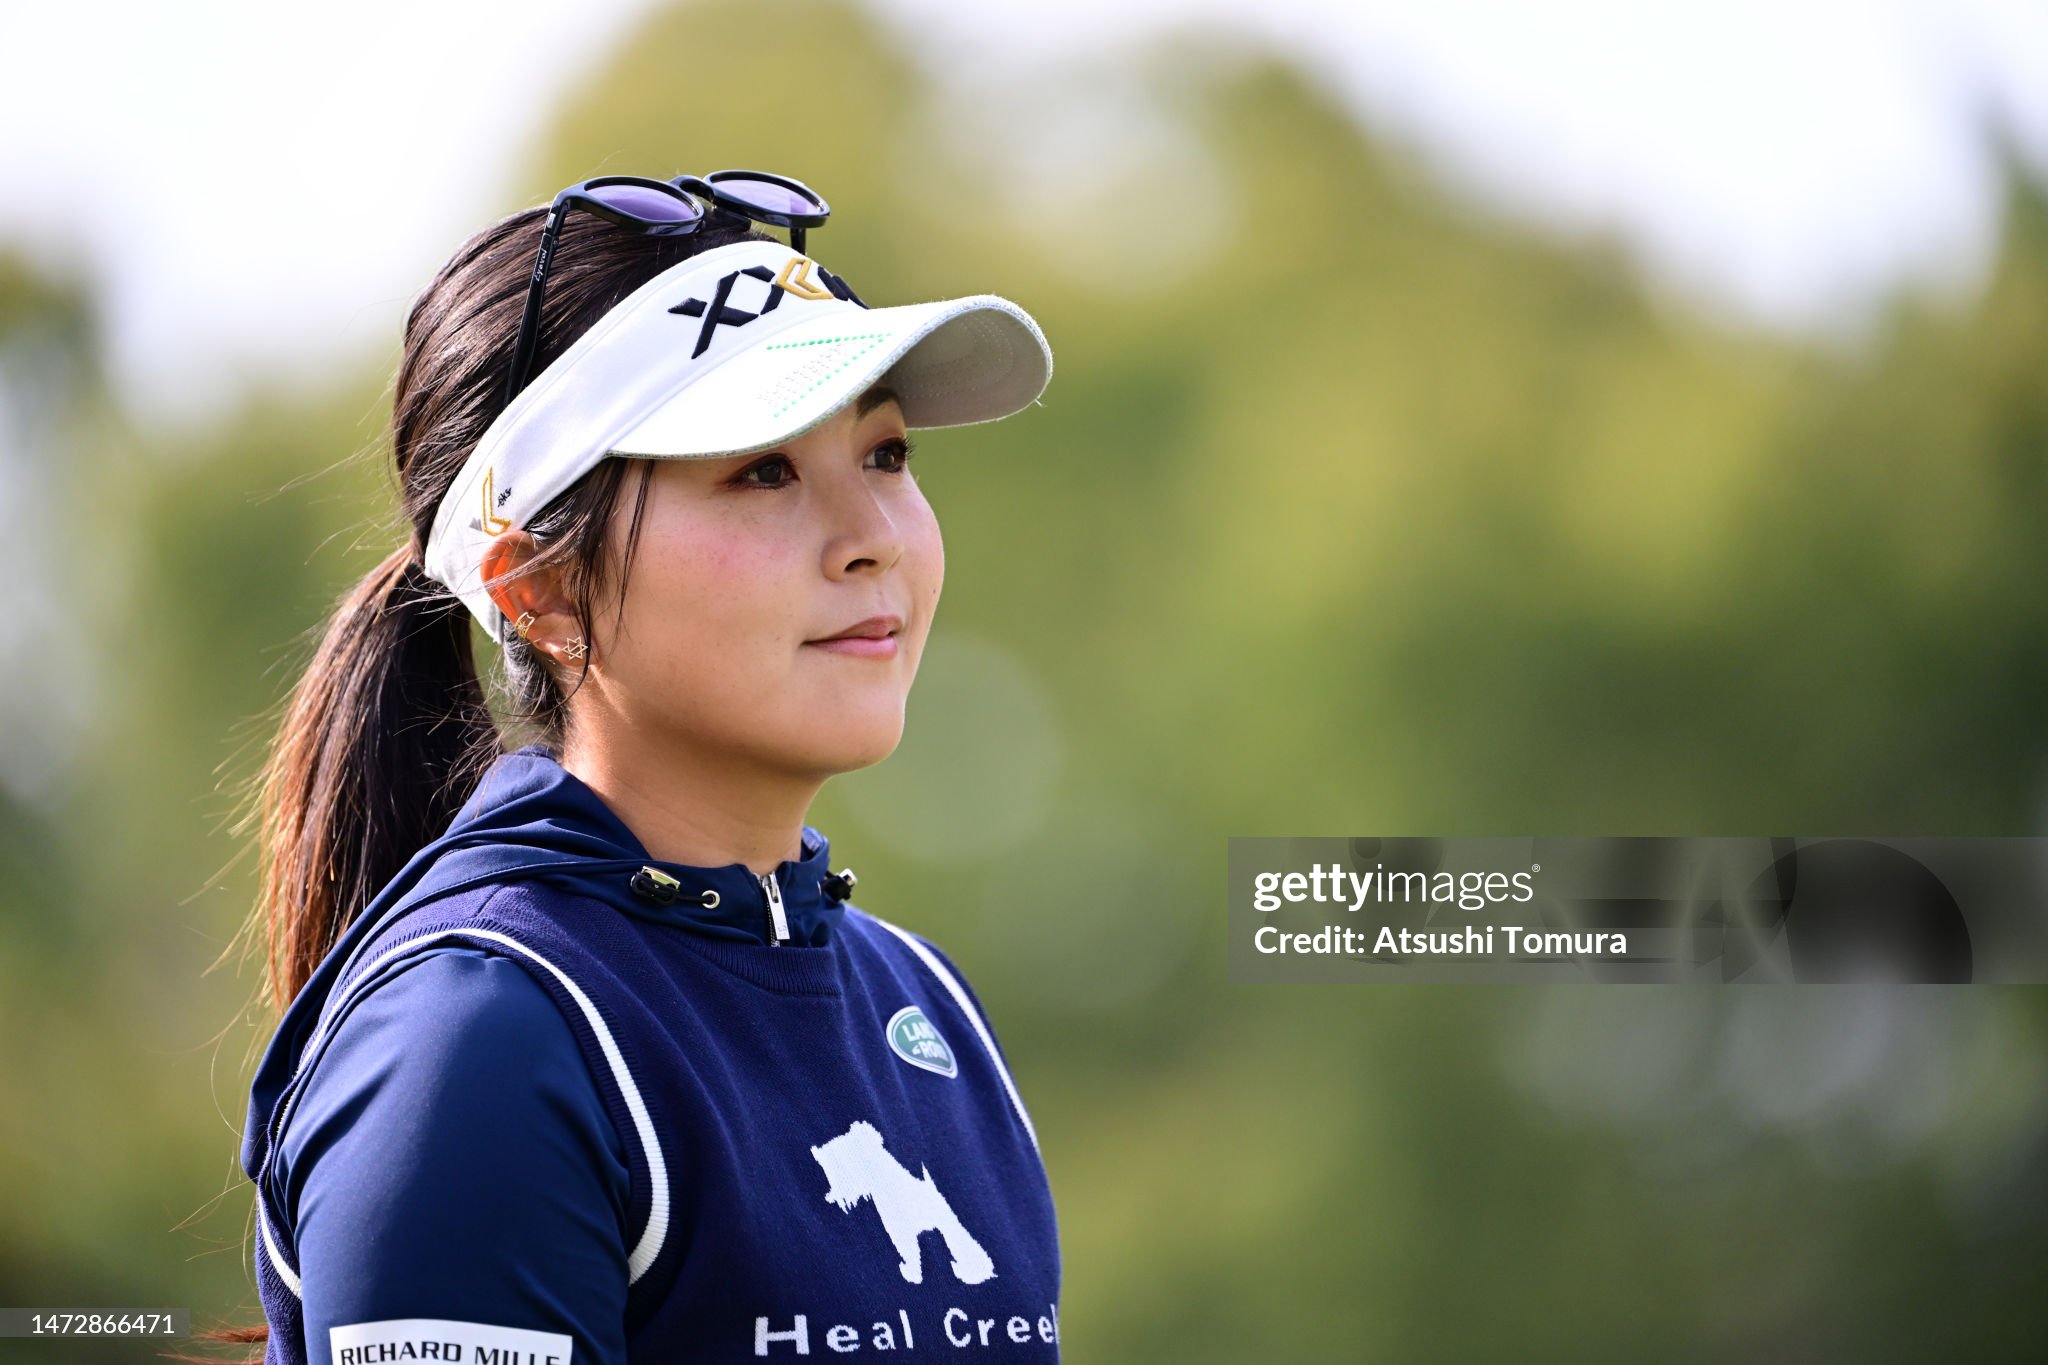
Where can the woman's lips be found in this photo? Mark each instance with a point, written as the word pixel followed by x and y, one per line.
pixel 874 638
pixel 861 646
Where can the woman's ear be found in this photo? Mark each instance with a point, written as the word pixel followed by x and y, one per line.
pixel 553 614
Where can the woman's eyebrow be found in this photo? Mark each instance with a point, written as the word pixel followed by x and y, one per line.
pixel 874 398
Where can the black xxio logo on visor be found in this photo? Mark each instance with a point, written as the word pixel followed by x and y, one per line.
pixel 794 279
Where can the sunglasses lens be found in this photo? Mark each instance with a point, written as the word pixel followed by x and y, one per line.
pixel 767 195
pixel 651 204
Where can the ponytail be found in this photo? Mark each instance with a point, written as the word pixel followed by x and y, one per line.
pixel 385 735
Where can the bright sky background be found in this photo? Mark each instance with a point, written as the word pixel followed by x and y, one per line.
pixel 1780 159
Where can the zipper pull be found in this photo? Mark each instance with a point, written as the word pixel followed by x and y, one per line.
pixel 778 922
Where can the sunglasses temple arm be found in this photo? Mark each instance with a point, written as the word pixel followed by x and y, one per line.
pixel 529 322
pixel 796 240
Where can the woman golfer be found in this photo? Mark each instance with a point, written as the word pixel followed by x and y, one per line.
pixel 589 1055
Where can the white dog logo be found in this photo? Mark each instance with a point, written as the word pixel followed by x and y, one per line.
pixel 858 1167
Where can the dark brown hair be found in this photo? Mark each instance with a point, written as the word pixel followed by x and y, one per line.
pixel 390 727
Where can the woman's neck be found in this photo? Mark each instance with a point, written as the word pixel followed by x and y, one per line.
pixel 698 810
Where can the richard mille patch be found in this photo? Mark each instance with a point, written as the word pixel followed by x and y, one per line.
pixel 913 1038
pixel 474 1343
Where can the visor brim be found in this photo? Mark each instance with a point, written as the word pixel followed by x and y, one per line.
pixel 952 362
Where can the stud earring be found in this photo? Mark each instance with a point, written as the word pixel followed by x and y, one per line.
pixel 575 649
pixel 524 623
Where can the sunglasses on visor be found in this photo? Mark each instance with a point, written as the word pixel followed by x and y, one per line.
pixel 663 208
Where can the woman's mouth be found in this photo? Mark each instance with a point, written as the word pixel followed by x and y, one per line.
pixel 874 638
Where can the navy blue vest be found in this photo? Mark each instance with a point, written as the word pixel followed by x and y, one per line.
pixel 828 1153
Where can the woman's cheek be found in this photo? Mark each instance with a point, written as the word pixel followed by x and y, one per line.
pixel 712 554
pixel 744 585
pixel 931 563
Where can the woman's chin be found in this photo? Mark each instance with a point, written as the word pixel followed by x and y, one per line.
pixel 855 739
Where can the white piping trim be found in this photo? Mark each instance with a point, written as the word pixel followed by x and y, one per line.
pixel 284 1272
pixel 966 1005
pixel 656 1231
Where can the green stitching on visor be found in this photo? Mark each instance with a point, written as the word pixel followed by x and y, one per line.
pixel 873 339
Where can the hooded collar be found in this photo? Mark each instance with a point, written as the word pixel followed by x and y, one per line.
pixel 532 819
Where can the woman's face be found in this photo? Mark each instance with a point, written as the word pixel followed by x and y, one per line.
pixel 744 565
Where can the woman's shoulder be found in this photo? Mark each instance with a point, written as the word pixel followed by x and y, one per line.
pixel 894 939
pixel 452 1002
pixel 452 996
pixel 446 1046
pixel 447 990
pixel 907 946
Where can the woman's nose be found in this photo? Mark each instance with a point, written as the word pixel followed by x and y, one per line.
pixel 863 536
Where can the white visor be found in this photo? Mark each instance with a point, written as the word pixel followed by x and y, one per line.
pixel 734 350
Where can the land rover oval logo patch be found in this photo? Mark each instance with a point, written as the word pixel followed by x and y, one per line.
pixel 912 1037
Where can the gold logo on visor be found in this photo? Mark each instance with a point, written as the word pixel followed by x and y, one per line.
pixel 796 278
pixel 493 523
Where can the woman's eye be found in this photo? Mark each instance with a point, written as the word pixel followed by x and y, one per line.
pixel 895 453
pixel 778 472
pixel 780 462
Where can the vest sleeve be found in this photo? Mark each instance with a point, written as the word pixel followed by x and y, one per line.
pixel 451 1176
